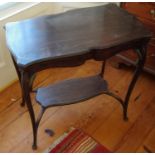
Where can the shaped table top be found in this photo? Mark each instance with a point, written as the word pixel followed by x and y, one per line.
pixel 72 33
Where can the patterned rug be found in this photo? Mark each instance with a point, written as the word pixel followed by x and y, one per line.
pixel 76 141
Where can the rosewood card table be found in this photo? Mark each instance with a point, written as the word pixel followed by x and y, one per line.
pixel 67 40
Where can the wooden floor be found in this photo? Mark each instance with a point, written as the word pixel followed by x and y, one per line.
pixel 101 117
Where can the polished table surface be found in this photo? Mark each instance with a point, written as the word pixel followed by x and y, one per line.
pixel 69 39
pixel 72 33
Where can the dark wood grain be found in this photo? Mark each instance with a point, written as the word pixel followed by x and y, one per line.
pixel 71 91
pixel 72 33
pixel 69 39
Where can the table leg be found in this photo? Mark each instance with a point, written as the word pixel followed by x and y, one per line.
pixel 141 52
pixel 33 76
pixel 25 78
pixel 19 73
pixel 103 69
pixel 19 77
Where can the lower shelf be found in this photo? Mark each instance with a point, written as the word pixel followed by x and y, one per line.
pixel 71 91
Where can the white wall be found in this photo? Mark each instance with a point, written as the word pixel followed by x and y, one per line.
pixel 70 5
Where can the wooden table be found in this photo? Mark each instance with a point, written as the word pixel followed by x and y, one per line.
pixel 69 39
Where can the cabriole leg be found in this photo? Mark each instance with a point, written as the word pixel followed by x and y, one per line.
pixel 20 80
pixel 26 91
pixel 141 52
pixel 19 73
pixel 32 78
pixel 102 69
pixel 37 122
